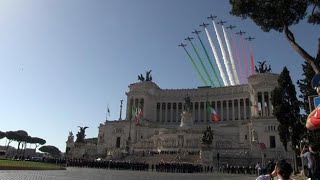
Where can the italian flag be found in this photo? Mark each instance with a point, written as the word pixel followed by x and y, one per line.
pixel 213 113
pixel 138 114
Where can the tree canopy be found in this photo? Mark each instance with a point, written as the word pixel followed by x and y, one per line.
pixel 38 141
pixel 286 108
pixel 2 134
pixel 306 91
pixel 52 150
pixel 279 15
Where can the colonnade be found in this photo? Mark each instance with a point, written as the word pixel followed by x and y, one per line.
pixel 233 109
pixel 227 110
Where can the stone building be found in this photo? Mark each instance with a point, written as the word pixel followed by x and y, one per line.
pixel 247 128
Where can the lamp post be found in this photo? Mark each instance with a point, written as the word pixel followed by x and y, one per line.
pixel 303 140
pixel 293 152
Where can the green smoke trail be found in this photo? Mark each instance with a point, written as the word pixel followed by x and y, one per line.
pixel 206 52
pixel 204 68
pixel 196 67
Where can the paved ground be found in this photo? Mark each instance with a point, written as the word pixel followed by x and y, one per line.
pixel 102 174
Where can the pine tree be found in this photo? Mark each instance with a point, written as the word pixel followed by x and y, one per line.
pixel 286 108
pixel 306 91
pixel 305 86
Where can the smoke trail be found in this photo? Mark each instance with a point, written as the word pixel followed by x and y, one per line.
pixel 224 57
pixel 204 68
pixel 251 57
pixel 245 57
pixel 235 46
pixel 196 67
pixel 214 50
pixel 206 52
pixel 233 65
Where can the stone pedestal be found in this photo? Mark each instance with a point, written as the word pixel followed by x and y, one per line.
pixel 78 150
pixel 206 155
pixel 186 120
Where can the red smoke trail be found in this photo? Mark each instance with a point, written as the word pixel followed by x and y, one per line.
pixel 234 43
pixel 251 57
pixel 245 56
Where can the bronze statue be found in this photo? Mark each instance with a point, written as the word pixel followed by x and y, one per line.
pixel 187 104
pixel 148 76
pixel 141 78
pixel 81 134
pixel 263 68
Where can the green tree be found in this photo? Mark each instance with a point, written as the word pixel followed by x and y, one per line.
pixel 305 86
pixel 20 137
pixel 52 150
pixel 286 108
pixel 279 15
pixel 37 141
pixel 11 136
pixel 306 91
pixel 2 135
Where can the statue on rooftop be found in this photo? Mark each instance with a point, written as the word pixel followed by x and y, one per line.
pixel 263 68
pixel 148 77
pixel 81 134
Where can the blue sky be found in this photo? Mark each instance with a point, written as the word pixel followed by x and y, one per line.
pixel 62 62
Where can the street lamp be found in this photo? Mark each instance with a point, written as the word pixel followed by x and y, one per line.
pixel 292 147
pixel 304 141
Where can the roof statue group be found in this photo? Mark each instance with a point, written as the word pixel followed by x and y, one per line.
pixel 81 134
pixel 141 78
pixel 263 68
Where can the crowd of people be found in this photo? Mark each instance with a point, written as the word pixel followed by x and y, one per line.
pixel 237 169
pixel 120 165
pixel 183 167
pixel 172 167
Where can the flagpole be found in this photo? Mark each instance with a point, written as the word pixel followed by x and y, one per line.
pixel 207 110
pixel 107 113
pixel 129 135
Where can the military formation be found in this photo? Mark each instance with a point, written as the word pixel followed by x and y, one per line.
pixel 177 167
pixel 118 165
pixel 170 167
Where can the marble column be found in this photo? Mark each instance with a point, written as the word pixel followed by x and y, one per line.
pixel 232 102
pixel 221 110
pixel 171 112
pixel 160 117
pixel 244 109
pixel 270 105
pixel 239 110
pixel 227 114
pixel 263 107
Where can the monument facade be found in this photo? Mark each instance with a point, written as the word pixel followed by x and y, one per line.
pixel 174 120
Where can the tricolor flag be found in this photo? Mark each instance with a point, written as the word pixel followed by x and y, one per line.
pixel 212 113
pixel 139 115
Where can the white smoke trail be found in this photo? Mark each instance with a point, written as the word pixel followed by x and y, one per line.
pixel 224 57
pixel 234 69
pixel 214 50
